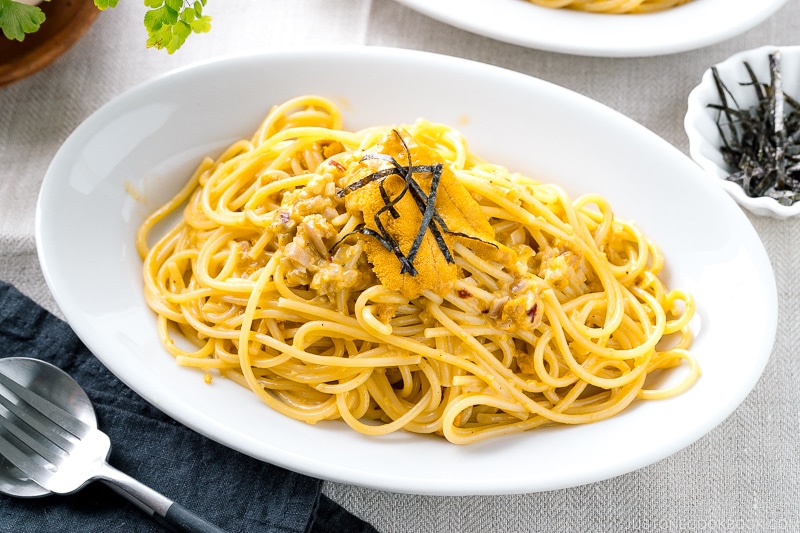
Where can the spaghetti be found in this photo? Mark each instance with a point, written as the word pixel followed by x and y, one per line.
pixel 392 279
pixel 612 6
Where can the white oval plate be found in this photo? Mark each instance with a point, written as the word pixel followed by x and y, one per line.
pixel 135 152
pixel 694 25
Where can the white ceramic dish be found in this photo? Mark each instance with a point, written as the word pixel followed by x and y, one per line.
pixel 694 25
pixel 136 151
pixel 700 122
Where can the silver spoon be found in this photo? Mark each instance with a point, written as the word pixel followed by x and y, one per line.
pixel 49 443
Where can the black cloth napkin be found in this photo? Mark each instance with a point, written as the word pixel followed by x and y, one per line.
pixel 227 488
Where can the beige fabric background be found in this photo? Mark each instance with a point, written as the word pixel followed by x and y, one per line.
pixel 743 475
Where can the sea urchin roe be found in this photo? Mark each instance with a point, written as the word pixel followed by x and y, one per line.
pixel 388 205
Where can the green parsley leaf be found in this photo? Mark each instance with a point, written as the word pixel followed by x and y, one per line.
pixel 154 19
pixel 102 5
pixel 18 19
pixel 201 25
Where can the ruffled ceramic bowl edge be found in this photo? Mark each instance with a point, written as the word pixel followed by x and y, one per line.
pixel 701 127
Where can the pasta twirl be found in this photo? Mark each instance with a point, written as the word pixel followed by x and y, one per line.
pixel 392 279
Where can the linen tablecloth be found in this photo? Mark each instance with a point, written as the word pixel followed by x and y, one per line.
pixel 743 475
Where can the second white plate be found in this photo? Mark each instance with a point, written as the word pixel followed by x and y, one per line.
pixel 694 25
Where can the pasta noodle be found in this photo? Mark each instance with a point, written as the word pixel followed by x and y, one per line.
pixel 518 307
pixel 612 6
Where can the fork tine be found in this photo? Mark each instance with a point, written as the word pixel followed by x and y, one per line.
pixel 25 462
pixel 65 420
pixel 49 451
pixel 27 417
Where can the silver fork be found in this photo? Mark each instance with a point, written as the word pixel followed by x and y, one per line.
pixel 62 453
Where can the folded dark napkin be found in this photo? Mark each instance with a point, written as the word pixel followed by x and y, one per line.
pixel 227 488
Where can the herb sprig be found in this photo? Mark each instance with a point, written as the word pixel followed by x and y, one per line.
pixel 168 22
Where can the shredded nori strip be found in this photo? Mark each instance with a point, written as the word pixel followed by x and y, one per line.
pixel 426 203
pixel 761 142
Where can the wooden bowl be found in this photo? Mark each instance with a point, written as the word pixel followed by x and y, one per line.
pixel 66 22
